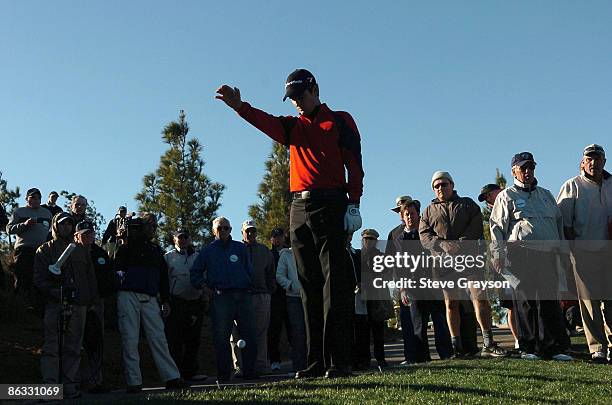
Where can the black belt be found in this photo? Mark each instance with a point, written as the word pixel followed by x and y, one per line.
pixel 318 193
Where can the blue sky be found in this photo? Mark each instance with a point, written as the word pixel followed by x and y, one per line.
pixel 86 88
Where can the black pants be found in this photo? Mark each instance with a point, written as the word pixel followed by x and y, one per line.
pixel 420 312
pixel 361 349
pixel 319 240
pixel 278 319
pixel 538 312
pixel 183 328
pixel 24 269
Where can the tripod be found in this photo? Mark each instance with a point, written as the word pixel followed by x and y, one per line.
pixel 63 319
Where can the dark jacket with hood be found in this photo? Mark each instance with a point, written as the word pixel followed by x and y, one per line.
pixel 77 272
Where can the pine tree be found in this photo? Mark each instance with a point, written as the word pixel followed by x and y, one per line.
pixel 8 200
pixel 272 210
pixel 179 192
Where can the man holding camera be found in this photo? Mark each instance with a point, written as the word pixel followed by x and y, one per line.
pixel 67 297
pixel 143 272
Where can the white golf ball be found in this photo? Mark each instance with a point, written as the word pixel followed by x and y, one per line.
pixel 241 344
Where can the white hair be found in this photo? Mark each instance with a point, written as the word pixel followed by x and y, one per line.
pixel 217 221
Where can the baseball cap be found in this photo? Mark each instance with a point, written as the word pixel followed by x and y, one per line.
pixel 249 223
pixel 521 158
pixel 84 226
pixel 121 208
pixel 182 231
pixel 298 82
pixel 594 149
pixel 53 193
pixel 370 234
pixel 402 199
pixel 64 216
pixel 487 189
pixel 441 175
pixel 277 232
pixel 33 191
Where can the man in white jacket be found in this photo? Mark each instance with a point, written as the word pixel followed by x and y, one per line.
pixel 586 204
pixel 527 217
pixel 287 277
pixel 184 323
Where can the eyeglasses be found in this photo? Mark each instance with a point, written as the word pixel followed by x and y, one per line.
pixel 223 228
pixel 440 185
pixel 528 166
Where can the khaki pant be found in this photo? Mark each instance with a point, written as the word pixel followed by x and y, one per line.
pixel 134 309
pixel 71 350
pixel 593 278
pixel 262 308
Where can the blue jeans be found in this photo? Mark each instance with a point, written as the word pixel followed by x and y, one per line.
pixel 297 332
pixel 226 307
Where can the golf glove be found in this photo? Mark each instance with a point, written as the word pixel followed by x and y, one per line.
pixel 352 218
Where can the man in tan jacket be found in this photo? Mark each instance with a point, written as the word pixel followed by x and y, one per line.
pixel 585 202
pixel 452 225
pixel 67 295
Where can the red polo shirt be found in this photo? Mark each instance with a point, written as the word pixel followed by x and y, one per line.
pixel 318 155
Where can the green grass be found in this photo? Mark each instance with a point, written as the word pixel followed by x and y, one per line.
pixel 466 381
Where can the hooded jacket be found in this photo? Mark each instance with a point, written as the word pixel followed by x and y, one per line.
pixel 77 272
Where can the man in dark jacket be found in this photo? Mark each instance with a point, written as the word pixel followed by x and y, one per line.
pixel 51 204
pixel 419 304
pixel 93 341
pixel 446 221
pixel 225 267
pixel 144 275
pixel 68 295
pixel 279 316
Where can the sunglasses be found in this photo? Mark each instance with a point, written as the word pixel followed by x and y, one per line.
pixel 440 185
pixel 528 166
pixel 223 228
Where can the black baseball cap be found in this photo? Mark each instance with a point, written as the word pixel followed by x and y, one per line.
pixel 277 232
pixel 594 149
pixel 298 82
pixel 122 208
pixel 182 231
pixel 33 191
pixel 521 158
pixel 84 226
pixel 53 193
pixel 487 189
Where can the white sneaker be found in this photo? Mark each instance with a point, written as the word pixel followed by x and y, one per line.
pixel 275 366
pixel 529 356
pixel 562 357
pixel 599 357
pixel 406 363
